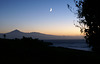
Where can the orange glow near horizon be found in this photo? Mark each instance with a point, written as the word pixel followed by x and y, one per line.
pixel 60 32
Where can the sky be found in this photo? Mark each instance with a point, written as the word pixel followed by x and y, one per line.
pixel 44 16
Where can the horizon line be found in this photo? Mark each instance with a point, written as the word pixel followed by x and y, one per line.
pixel 39 32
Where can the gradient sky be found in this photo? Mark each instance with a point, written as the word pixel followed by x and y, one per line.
pixel 35 16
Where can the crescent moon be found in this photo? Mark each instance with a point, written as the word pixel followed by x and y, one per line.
pixel 50 9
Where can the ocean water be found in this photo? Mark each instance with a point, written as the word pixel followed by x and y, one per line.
pixel 79 44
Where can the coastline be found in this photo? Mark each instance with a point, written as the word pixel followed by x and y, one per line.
pixel 79 44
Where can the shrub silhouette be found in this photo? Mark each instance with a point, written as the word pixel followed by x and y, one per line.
pixel 89 20
pixel 4 36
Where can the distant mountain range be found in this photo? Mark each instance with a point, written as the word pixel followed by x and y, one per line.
pixel 19 34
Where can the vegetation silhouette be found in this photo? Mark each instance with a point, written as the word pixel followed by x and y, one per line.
pixel 89 20
pixel 4 36
pixel 30 51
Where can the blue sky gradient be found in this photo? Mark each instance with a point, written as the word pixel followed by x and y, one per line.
pixel 35 16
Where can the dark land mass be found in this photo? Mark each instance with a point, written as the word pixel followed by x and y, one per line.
pixel 34 51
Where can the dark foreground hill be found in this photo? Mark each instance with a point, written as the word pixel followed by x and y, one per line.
pixel 34 51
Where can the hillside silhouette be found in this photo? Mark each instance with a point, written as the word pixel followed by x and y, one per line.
pixel 28 50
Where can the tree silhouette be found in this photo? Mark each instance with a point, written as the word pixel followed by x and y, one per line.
pixel 4 36
pixel 89 20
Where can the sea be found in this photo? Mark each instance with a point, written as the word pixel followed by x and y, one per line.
pixel 79 44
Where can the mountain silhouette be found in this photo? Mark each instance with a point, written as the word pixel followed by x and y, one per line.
pixel 18 34
pixel 16 31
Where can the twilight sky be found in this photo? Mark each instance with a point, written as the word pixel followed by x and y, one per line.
pixel 44 16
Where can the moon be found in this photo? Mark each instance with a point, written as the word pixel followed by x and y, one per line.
pixel 50 9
